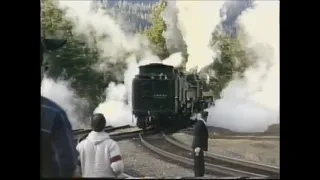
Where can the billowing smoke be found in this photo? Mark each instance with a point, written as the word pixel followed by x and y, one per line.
pixel 197 20
pixel 115 45
pixel 230 12
pixel 172 35
pixel 117 107
pixel 61 93
pixel 248 104
pixel 252 103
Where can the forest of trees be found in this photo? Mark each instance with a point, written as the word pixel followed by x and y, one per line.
pixel 136 14
pixel 74 61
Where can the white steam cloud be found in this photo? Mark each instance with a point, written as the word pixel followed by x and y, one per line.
pixel 252 103
pixel 249 104
pixel 115 46
pixel 61 93
pixel 197 20
pixel 172 35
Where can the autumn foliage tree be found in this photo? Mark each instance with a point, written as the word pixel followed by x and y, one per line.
pixel 154 33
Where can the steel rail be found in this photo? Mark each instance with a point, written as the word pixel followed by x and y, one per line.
pixel 208 166
pixel 254 165
pixel 123 135
pixel 248 136
pixel 124 175
pixel 119 136
pixel 108 129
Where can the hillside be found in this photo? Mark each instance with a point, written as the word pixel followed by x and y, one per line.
pixel 134 15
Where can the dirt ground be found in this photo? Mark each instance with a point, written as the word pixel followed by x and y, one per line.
pixel 272 130
pixel 261 151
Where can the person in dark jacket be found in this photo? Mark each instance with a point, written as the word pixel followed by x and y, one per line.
pixel 58 152
pixel 200 144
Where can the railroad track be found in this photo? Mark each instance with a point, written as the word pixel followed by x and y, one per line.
pixel 247 136
pixel 81 132
pixel 106 129
pixel 164 148
pixel 271 171
pixel 124 135
pixel 75 131
pixel 124 176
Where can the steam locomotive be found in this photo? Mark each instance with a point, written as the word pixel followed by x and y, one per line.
pixel 165 98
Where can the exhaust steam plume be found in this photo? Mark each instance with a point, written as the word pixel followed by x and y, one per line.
pixel 172 35
pixel 252 103
pixel 61 93
pixel 230 12
pixel 197 20
pixel 115 45
pixel 248 104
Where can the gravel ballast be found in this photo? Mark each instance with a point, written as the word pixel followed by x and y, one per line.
pixel 261 151
pixel 138 160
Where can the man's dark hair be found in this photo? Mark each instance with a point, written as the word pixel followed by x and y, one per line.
pixel 98 122
pixel 204 114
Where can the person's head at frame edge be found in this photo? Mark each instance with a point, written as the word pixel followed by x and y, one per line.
pixel 48 45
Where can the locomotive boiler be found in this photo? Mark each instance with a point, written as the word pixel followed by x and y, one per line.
pixel 165 98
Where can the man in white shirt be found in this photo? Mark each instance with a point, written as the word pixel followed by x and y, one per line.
pixel 99 155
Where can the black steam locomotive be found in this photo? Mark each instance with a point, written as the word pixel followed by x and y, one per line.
pixel 165 98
